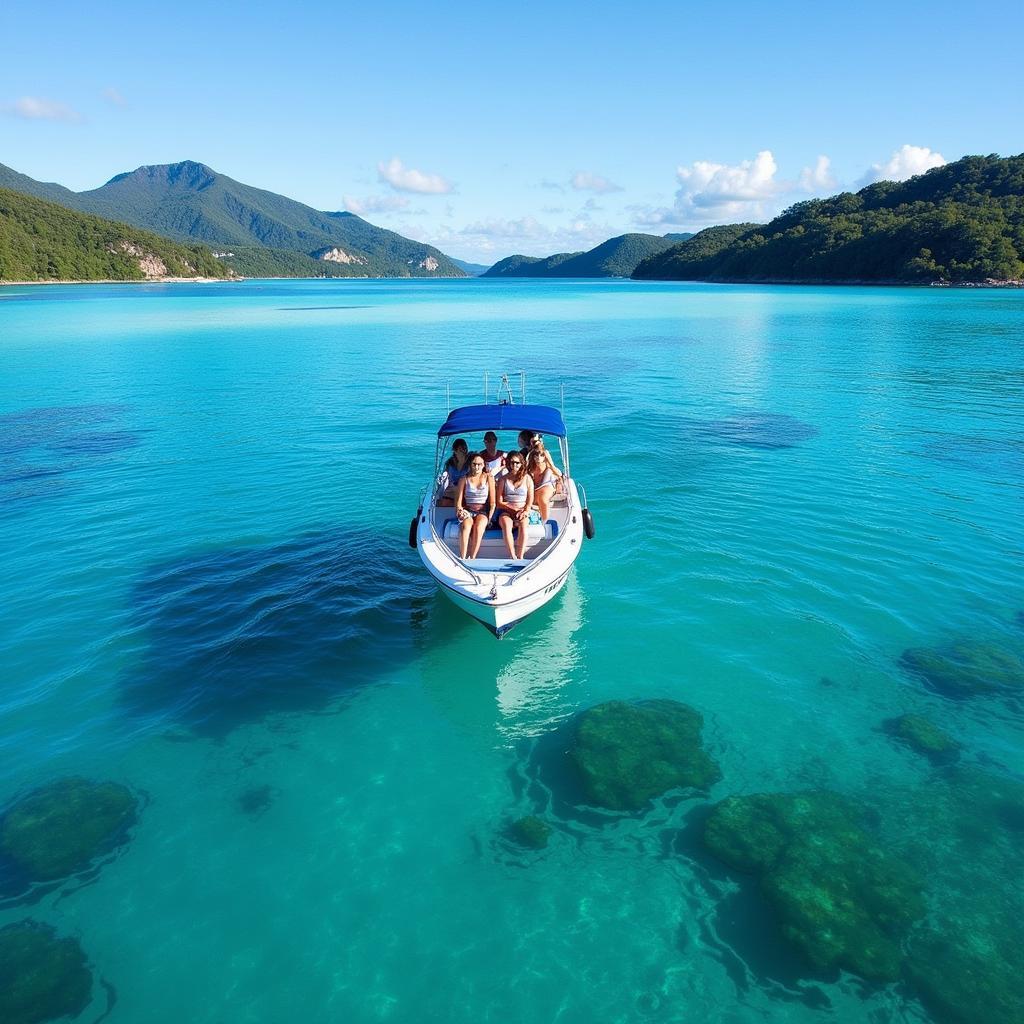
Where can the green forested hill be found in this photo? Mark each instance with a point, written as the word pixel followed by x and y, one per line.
pixel 41 241
pixel 675 263
pixel 189 202
pixel 962 222
pixel 529 266
pixel 49 190
pixel 618 257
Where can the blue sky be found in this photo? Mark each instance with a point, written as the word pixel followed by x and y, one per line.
pixel 492 129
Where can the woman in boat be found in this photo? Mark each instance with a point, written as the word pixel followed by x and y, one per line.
pixel 545 476
pixel 494 458
pixel 514 499
pixel 474 505
pixel 454 470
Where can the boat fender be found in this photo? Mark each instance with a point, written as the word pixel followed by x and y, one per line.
pixel 588 524
pixel 412 527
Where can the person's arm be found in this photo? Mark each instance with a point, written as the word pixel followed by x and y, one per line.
pixel 499 501
pixel 525 512
pixel 460 512
pixel 551 465
pixel 490 498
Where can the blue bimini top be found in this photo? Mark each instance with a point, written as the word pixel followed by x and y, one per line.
pixel 538 419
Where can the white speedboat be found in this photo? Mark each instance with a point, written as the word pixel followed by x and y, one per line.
pixel 497 590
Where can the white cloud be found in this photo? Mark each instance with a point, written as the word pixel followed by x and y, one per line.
pixel 654 216
pixel 712 193
pixel 114 96
pixel 35 108
pixel 374 204
pixel 818 178
pixel 407 179
pixel 904 163
pixel 717 192
pixel 488 240
pixel 523 229
pixel 584 181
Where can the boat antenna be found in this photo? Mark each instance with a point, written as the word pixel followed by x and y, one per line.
pixel 505 387
pixel 522 386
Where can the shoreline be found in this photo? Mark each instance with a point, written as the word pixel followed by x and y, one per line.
pixel 114 280
pixel 852 283
pixel 817 282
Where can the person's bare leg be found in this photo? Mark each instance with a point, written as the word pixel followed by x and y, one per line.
pixel 464 527
pixel 522 537
pixel 506 529
pixel 477 536
pixel 544 502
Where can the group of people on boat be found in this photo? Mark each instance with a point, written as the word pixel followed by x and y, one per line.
pixel 493 485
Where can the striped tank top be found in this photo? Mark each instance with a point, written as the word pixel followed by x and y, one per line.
pixel 475 495
pixel 511 494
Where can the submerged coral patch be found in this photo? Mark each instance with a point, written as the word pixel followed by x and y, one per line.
pixel 530 832
pixel 923 736
pixel 256 801
pixel 844 901
pixel 42 977
pixel 968 970
pixel 627 754
pixel 63 828
pixel 967 668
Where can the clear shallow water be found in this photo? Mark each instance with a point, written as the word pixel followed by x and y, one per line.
pixel 207 595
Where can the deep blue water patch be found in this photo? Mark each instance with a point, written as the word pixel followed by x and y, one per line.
pixel 255 801
pixel 755 430
pixel 998 457
pixel 41 448
pixel 238 634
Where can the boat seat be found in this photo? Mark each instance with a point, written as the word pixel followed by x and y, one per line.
pixel 534 532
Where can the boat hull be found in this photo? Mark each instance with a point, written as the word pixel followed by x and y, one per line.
pixel 501 618
pixel 497 593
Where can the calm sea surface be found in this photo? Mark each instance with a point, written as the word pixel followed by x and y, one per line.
pixel 207 596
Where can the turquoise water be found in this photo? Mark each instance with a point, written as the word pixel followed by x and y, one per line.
pixel 207 596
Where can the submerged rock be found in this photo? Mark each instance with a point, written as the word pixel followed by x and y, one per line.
pixel 966 669
pixel 256 801
pixel 60 829
pixel 987 802
pixel 530 832
pixel 843 900
pixel 970 971
pixel 627 754
pixel 42 977
pixel 924 736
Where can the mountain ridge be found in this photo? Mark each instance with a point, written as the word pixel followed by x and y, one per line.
pixel 615 257
pixel 190 202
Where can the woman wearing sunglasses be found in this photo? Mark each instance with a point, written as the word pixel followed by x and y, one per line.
pixel 474 505
pixel 514 498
